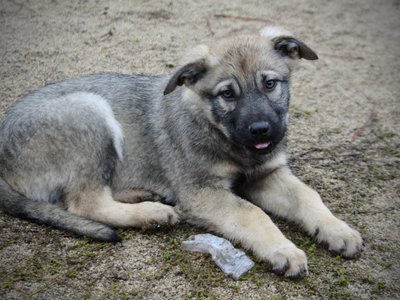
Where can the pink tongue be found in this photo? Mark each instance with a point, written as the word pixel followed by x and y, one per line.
pixel 262 146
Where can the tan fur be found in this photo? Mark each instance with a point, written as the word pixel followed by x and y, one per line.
pixel 135 196
pixel 241 221
pixel 99 205
pixel 290 198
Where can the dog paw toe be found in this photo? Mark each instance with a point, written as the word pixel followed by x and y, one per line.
pixel 166 217
pixel 172 218
pixel 341 239
pixel 279 269
pixel 157 214
pixel 290 262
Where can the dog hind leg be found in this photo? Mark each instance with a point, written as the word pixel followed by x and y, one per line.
pixel 135 196
pixel 17 205
pixel 99 204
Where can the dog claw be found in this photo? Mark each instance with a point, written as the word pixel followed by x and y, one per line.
pixel 302 272
pixel 281 270
pixel 341 239
pixel 290 262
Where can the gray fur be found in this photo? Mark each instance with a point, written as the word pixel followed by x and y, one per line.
pixel 44 213
pixel 53 145
pixel 68 137
pixel 98 147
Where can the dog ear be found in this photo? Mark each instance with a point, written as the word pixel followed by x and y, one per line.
pixel 293 48
pixel 189 74
pixel 286 45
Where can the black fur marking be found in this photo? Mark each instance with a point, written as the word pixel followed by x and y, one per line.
pixel 57 196
pixel 255 107
pixel 109 161
pixel 238 184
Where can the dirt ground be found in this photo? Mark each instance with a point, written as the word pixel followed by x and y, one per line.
pixel 344 141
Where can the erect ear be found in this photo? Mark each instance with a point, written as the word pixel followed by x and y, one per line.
pixel 287 45
pixel 188 74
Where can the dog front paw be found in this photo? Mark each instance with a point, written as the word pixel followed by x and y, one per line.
pixel 340 238
pixel 289 261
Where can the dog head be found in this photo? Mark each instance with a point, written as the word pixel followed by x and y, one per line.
pixel 241 85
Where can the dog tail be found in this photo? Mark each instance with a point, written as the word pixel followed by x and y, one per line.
pixel 17 205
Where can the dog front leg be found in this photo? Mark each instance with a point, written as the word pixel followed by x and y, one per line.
pixel 283 194
pixel 241 221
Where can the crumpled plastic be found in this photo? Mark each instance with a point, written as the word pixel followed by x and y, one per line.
pixel 230 260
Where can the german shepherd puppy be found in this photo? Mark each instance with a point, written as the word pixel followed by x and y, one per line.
pixel 207 143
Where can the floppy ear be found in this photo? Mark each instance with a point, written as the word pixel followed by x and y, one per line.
pixel 286 45
pixel 189 74
pixel 293 48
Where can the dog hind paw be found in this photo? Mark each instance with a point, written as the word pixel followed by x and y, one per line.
pixel 154 214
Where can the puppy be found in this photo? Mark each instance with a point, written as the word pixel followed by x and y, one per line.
pixel 208 142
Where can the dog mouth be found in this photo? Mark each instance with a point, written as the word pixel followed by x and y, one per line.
pixel 259 145
pixel 262 146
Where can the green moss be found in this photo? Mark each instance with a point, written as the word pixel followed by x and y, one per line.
pixel 298 112
pixel 379 288
pixel 343 280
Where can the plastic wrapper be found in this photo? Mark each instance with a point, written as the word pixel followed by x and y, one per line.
pixel 230 260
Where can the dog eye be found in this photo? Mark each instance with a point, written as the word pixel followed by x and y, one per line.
pixel 270 84
pixel 227 95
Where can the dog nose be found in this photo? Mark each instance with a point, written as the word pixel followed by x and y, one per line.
pixel 259 128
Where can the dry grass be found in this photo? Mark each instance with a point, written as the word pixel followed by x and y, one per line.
pixel 351 158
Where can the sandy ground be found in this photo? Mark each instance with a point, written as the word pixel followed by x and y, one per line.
pixel 344 142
